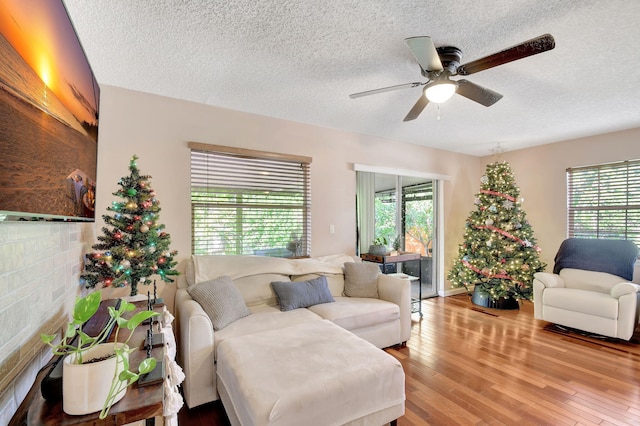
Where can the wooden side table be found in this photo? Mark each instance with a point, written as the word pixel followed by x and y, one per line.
pixel 139 403
pixel 416 304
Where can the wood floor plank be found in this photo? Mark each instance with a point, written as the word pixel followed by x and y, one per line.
pixel 556 407
pixel 468 365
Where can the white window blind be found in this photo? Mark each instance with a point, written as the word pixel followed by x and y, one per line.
pixel 604 201
pixel 247 204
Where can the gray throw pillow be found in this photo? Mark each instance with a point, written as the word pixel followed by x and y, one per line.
pixel 221 300
pixel 302 294
pixel 361 279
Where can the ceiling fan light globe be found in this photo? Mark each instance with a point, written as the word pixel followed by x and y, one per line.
pixel 440 92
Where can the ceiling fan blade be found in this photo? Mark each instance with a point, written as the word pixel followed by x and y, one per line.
pixel 385 89
pixel 425 52
pixel 528 48
pixel 417 108
pixel 477 93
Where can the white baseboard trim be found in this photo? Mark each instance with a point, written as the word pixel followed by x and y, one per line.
pixel 452 292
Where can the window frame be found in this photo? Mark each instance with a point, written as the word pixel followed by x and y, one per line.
pixel 239 183
pixel 603 201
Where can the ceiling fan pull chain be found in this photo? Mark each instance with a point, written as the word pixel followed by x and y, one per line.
pixel 438 105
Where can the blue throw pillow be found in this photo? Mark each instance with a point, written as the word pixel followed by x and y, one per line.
pixel 302 294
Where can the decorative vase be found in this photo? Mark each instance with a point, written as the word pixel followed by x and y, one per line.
pixel 378 250
pixel 85 387
pixel 482 298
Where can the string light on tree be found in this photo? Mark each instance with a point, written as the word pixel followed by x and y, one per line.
pixel 133 245
pixel 499 253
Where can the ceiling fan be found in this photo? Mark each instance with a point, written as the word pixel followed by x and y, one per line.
pixel 439 64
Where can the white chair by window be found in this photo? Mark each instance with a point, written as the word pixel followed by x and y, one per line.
pixel 590 288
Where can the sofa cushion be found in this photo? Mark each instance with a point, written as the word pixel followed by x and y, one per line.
pixel 263 318
pixel 352 313
pixel 361 279
pixel 302 294
pixel 221 300
pixel 207 267
pixel 589 280
pixel 257 289
pixel 334 281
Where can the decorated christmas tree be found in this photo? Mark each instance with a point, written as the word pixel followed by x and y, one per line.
pixel 133 245
pixel 499 254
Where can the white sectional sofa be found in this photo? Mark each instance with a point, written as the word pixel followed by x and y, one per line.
pixel 383 321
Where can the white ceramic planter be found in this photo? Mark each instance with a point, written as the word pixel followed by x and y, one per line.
pixel 85 386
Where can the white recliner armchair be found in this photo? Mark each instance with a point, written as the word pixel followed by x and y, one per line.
pixel 591 288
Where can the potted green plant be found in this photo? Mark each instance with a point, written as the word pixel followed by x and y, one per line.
pixel 95 374
pixel 397 243
pixel 379 246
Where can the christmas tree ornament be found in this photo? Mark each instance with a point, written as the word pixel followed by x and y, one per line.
pixel 129 262
pixel 498 238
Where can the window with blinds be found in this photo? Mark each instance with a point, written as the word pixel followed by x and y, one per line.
pixel 604 201
pixel 249 202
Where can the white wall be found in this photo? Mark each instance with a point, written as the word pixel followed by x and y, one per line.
pixel 157 129
pixel 540 173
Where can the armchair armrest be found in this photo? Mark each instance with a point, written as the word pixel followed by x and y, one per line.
pixel 542 281
pixel 398 291
pixel 549 280
pixel 623 288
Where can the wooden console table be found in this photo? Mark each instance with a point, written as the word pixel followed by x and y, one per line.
pixel 139 403
pixel 416 304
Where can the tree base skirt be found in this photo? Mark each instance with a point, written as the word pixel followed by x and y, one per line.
pixel 482 298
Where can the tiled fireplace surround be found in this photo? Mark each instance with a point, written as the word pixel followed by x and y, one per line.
pixel 40 264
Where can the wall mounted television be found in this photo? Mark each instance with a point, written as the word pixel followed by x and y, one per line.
pixel 49 108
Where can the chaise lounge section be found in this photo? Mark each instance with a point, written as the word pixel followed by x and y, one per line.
pixel 314 373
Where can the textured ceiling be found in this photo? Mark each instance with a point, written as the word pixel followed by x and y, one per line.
pixel 300 59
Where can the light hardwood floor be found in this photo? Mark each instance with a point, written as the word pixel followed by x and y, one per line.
pixel 467 365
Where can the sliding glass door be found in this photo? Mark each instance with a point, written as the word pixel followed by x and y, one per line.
pixel 402 210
